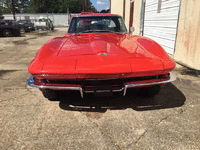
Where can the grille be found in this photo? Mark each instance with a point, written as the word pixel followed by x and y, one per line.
pixel 94 82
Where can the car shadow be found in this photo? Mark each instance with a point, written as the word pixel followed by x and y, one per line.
pixel 169 97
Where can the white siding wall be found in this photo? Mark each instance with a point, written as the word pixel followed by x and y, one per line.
pixel 58 19
pixel 162 27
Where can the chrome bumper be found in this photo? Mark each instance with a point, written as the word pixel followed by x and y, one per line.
pixel 30 82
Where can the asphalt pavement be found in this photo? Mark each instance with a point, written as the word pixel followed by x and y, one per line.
pixel 168 121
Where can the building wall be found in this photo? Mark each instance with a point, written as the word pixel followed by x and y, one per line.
pixel 137 17
pixel 187 50
pixel 117 7
pixel 127 13
pixel 187 44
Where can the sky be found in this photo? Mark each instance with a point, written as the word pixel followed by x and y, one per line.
pixel 100 4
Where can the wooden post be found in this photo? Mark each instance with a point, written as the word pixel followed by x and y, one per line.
pixel 86 6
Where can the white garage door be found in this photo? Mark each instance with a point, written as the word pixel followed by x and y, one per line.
pixel 160 22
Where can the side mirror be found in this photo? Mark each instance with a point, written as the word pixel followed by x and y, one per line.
pixel 132 29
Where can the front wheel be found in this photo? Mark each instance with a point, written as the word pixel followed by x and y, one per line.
pixel 22 30
pixel 50 94
pixel 7 33
pixel 150 91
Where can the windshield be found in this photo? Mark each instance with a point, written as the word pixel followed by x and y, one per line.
pixel 97 24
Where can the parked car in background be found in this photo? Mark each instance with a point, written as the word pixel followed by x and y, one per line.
pixel 98 55
pixel 1 17
pixel 8 30
pixel 27 23
pixel 22 27
pixel 44 24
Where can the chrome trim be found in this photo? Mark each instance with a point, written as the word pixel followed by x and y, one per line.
pixel 119 90
pixel 172 78
pixel 30 82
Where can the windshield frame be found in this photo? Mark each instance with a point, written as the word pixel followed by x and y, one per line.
pixel 73 23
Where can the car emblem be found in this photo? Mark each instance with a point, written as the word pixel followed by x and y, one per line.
pixel 103 54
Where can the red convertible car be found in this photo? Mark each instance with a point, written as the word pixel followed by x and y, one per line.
pixel 97 55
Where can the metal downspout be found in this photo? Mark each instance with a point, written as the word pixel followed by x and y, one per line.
pixel 142 17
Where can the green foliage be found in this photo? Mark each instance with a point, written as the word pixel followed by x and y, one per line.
pixel 1 10
pixel 45 6
pixel 58 6
pixel 20 6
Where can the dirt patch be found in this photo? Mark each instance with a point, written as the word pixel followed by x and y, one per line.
pixel 20 42
pixel 3 72
pixel 187 71
pixel 25 41
pixel 43 34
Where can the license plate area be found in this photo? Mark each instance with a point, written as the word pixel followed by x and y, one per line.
pixel 103 90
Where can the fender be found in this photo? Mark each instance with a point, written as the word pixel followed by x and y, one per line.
pixel 154 48
pixel 48 49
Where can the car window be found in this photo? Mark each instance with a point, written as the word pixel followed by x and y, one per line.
pixel 97 24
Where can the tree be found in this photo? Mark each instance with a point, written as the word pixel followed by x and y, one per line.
pixel 58 6
pixel 20 6
pixel 1 10
pixel 105 11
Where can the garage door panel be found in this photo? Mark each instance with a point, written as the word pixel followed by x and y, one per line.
pixel 171 24
pixel 170 3
pixel 168 49
pixel 164 10
pixel 163 16
pixel 162 26
pixel 161 35
pixel 160 30
pixel 155 2
pixel 162 42
pixel 166 5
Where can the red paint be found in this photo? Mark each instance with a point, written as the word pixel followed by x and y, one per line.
pixel 100 55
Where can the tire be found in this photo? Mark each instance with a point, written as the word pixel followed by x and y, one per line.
pixel 22 30
pixel 52 28
pixel 7 33
pixel 50 94
pixel 149 91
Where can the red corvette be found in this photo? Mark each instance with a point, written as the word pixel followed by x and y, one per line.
pixel 99 56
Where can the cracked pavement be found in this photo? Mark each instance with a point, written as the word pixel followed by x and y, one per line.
pixel 168 121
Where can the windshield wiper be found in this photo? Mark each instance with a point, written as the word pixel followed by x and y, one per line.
pixel 89 31
pixel 86 31
pixel 109 31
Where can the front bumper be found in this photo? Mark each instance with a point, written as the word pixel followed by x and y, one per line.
pixel 30 82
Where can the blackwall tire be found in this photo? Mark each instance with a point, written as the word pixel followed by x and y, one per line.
pixel 7 33
pixel 50 94
pixel 22 30
pixel 149 91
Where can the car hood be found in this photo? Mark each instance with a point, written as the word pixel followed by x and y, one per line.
pixel 91 44
pixel 88 55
